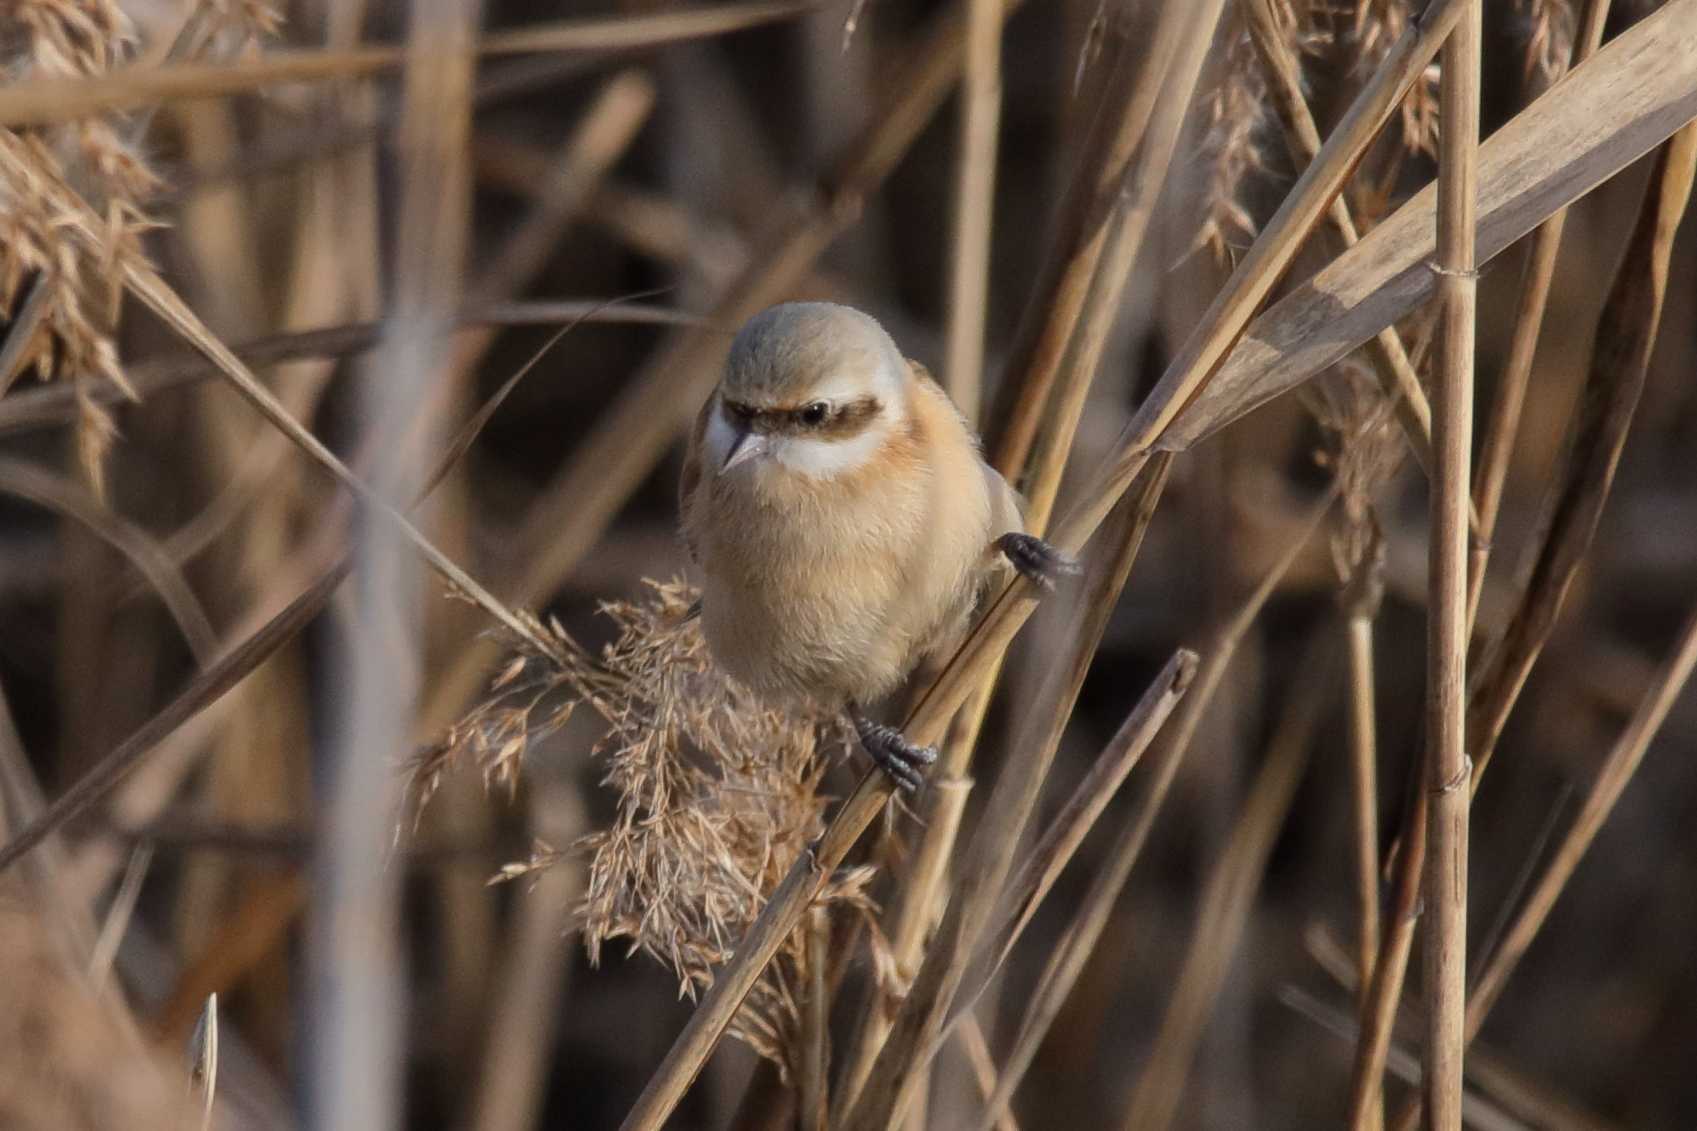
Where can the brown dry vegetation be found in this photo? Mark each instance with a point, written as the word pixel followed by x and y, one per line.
pixel 313 316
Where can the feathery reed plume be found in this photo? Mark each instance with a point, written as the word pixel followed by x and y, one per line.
pixel 60 296
pixel 1547 27
pixel 1376 24
pixel 71 1064
pixel 61 289
pixel 1237 123
pixel 717 794
pixel 1363 450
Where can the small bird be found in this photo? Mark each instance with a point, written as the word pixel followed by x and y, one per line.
pixel 844 519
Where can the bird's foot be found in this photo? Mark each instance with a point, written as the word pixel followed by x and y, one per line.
pixel 1036 559
pixel 904 761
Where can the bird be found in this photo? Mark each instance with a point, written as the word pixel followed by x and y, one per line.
pixel 844 520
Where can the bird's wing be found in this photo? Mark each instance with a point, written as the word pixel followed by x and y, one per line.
pixel 1006 507
pixel 690 480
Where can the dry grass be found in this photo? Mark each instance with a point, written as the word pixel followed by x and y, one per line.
pixel 362 221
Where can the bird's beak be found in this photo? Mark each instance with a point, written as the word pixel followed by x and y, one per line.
pixel 748 445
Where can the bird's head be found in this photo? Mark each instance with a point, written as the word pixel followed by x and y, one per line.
pixel 811 387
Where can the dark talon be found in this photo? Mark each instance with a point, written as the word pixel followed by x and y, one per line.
pixel 894 754
pixel 1036 559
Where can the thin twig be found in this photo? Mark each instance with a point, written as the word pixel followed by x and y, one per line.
pixel 1535 282
pixel 1228 897
pixel 1066 963
pixel 1626 336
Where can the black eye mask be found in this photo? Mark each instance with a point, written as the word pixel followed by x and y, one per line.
pixel 838 421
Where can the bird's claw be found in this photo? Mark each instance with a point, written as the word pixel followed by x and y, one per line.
pixel 903 760
pixel 1036 559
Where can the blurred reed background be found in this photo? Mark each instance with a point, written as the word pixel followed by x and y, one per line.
pixel 275 275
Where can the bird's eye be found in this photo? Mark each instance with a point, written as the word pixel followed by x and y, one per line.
pixel 814 414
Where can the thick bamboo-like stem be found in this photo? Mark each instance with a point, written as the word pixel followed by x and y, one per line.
pixel 975 200
pixel 1446 607
pixel 1228 897
pixel 1504 426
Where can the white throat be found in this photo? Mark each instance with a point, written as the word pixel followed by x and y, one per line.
pixel 827 459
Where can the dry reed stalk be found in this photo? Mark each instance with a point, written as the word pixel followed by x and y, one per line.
pixel 71 500
pixel 1284 234
pixel 1385 351
pixel 1043 865
pixel 1127 221
pixel 812 1100
pixel 989 855
pixel 326 569
pixel 1445 946
pixel 576 507
pixel 1228 896
pixel 1124 196
pixel 54 405
pixel 1129 97
pixel 56 100
pixel 359 989
pixel 1644 82
pixel 1625 336
pixel 983 1068
pixel 1379 1002
pixel 975 199
pixel 1612 778
pixel 218 678
pixel 526 1011
pixel 1364 794
pixel 1066 962
pixel 1536 278
pixel 1363 456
